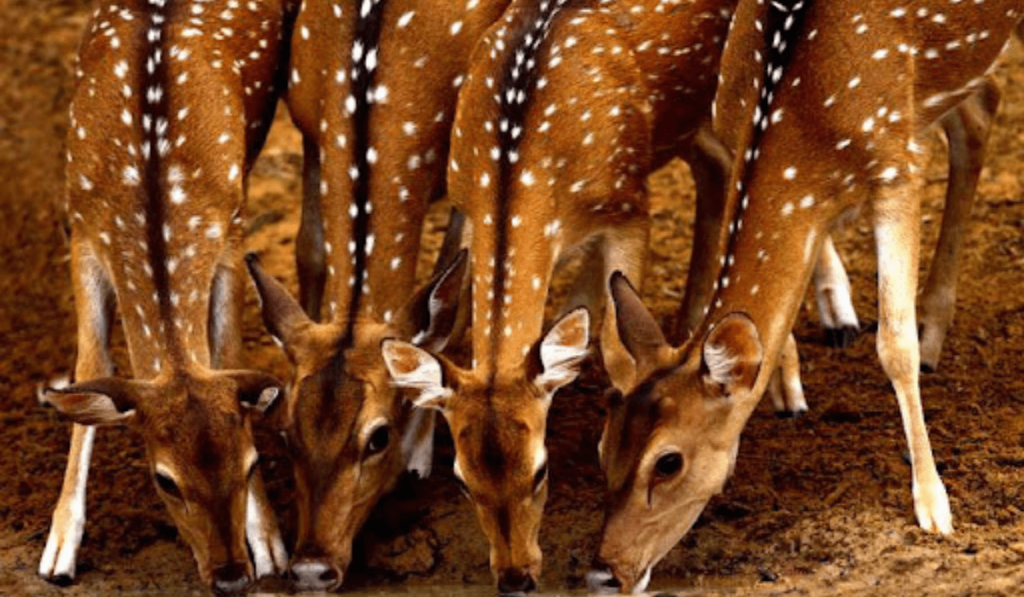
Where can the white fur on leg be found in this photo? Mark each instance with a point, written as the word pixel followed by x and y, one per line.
pixel 268 553
pixel 418 443
pixel 68 523
pixel 931 505
pixel 832 290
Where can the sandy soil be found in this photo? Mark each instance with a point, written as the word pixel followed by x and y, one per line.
pixel 818 506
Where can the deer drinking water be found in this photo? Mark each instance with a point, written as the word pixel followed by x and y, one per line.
pixel 628 84
pixel 373 86
pixel 841 93
pixel 172 105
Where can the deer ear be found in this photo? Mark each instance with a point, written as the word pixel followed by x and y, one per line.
pixel 638 331
pixel 431 314
pixel 256 390
pixel 282 315
pixel 102 401
pixel 414 368
pixel 562 350
pixel 732 355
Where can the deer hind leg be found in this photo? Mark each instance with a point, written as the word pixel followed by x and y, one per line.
pixel 897 233
pixel 94 303
pixel 620 250
pixel 785 388
pixel 967 130
pixel 710 162
pixel 835 305
pixel 310 253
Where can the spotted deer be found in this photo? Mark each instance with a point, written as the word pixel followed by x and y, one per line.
pixel 567 107
pixel 372 88
pixel 841 93
pixel 172 104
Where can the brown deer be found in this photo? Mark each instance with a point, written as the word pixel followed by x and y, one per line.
pixel 372 88
pixel 966 130
pixel 628 84
pixel 172 105
pixel 824 136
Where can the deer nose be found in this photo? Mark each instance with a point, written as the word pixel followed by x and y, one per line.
pixel 315 575
pixel 515 582
pixel 230 579
pixel 601 581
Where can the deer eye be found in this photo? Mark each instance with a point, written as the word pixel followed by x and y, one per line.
pixel 540 476
pixel 668 465
pixel 167 485
pixel 379 440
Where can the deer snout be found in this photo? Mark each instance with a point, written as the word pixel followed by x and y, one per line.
pixel 316 574
pixel 231 579
pixel 604 579
pixel 516 582
pixel 601 581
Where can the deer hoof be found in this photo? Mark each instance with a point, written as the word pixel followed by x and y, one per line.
pixel 841 337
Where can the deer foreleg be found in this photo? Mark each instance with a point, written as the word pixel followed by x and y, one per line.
pixel 967 130
pixel 94 303
pixel 418 442
pixel 310 253
pixel 262 533
pixel 785 388
pixel 835 305
pixel 897 233
pixel 710 162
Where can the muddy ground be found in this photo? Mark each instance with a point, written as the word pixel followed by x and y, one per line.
pixel 818 506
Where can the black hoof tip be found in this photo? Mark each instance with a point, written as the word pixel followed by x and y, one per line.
pixel 789 414
pixel 841 337
pixel 928 368
pixel 61 580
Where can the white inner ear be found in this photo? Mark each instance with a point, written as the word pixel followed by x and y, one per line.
pixel 560 360
pixel 267 397
pixel 98 409
pixel 425 377
pixel 720 362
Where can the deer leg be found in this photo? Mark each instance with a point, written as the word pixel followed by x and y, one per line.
pixel 418 442
pixel 94 303
pixel 785 388
pixel 967 130
pixel 269 556
pixel 622 250
pixel 897 233
pixel 835 305
pixel 587 290
pixel 310 254
pixel 710 162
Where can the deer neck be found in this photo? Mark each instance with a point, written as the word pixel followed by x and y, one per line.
pixel 159 206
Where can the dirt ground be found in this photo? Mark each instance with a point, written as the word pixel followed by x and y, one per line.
pixel 819 505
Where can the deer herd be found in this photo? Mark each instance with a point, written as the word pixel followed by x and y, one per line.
pixel 540 121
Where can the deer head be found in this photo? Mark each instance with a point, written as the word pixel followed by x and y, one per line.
pixel 499 426
pixel 199 446
pixel 670 444
pixel 348 432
